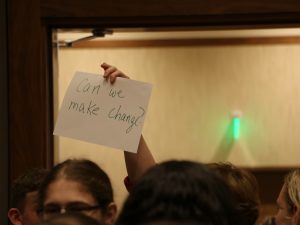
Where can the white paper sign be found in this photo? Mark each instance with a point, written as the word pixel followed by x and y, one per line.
pixel 95 111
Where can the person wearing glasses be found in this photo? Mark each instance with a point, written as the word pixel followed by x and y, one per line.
pixel 77 186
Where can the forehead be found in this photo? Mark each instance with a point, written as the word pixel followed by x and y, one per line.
pixel 64 191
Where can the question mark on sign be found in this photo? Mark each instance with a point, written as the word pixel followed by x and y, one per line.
pixel 135 121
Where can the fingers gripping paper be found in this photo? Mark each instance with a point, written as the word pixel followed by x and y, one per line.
pixel 95 111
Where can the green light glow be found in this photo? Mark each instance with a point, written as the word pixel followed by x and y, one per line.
pixel 236 128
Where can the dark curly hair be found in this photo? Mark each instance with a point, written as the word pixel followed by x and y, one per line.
pixel 29 181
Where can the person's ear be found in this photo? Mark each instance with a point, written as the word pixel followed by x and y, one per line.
pixel 296 216
pixel 110 214
pixel 15 216
pixel 294 209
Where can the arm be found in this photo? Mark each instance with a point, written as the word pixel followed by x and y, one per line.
pixel 136 164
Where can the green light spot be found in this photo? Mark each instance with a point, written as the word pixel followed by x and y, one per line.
pixel 236 128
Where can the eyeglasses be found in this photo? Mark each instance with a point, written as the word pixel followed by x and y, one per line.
pixel 53 209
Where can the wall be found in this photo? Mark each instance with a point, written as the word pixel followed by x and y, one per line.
pixel 195 90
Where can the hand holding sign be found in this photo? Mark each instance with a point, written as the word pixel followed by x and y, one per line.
pixel 96 111
pixel 111 73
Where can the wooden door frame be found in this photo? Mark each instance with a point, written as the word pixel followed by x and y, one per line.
pixel 30 22
pixel 3 113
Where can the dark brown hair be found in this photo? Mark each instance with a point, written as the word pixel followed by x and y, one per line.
pixel 245 190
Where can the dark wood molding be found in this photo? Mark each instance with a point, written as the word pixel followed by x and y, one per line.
pixel 204 14
pixel 4 160
pixel 270 181
pixel 156 8
pixel 29 109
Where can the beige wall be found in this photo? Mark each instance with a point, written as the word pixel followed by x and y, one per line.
pixel 195 90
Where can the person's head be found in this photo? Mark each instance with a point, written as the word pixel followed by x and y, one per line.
pixel 78 185
pixel 24 197
pixel 245 190
pixel 70 219
pixel 179 191
pixel 288 200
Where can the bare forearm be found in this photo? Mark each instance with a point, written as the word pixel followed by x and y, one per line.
pixel 137 164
